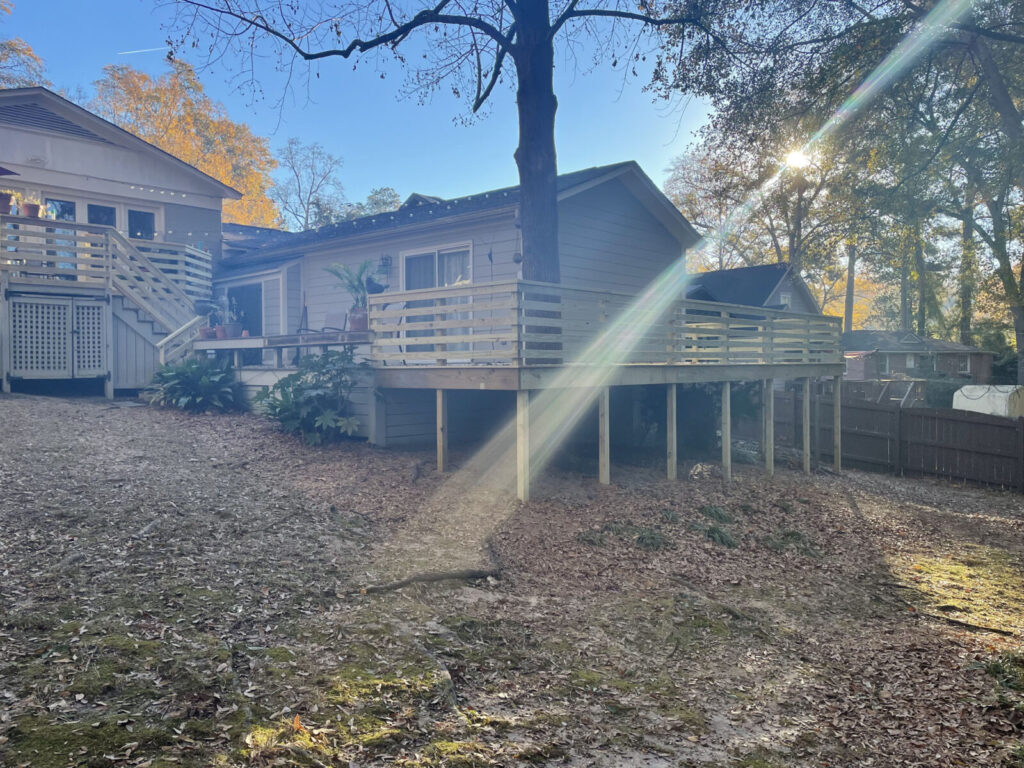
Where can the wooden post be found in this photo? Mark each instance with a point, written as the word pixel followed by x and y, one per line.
pixel 769 427
pixel 237 354
pixel 604 466
pixel 837 423
pixel 807 426
pixel 108 348
pixel 6 336
pixel 764 409
pixel 523 444
pixel 442 429
pixel 670 432
pixel 727 430
pixel 819 443
pixel 279 358
pixel 897 459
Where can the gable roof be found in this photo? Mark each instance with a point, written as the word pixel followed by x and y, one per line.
pixel 422 211
pixel 41 109
pixel 749 286
pixel 900 341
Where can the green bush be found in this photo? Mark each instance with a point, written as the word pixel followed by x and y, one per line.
pixel 652 539
pixel 198 385
pixel 315 401
pixel 717 514
pixel 720 536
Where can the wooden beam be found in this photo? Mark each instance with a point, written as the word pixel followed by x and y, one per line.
pixel 604 467
pixel 5 337
pixel 523 445
pixel 806 424
pixel 837 423
pixel 727 430
pixel 442 430
pixel 769 427
pixel 108 348
pixel 671 437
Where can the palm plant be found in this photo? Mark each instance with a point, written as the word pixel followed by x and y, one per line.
pixel 354 280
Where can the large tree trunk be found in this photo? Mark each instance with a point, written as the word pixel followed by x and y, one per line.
pixel 968 276
pixel 905 292
pixel 851 263
pixel 796 232
pixel 1017 312
pixel 534 56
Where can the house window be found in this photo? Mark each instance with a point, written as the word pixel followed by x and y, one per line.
pixel 785 299
pixel 432 269
pixel 883 365
pixel 964 365
pixel 104 215
pixel 910 362
pixel 141 224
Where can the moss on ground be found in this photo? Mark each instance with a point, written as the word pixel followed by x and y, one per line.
pixel 46 743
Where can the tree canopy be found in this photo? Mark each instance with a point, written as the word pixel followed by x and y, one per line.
pixel 20 65
pixel 174 113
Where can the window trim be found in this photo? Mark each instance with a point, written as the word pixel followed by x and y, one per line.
pixel 457 246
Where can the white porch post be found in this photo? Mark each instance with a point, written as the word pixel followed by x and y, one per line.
pixel 727 430
pixel 807 425
pixel 769 427
pixel 523 444
pixel 604 467
pixel 671 437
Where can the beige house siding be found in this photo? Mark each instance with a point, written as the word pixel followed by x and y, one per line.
pixel 608 240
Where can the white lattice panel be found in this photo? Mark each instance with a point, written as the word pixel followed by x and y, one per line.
pixel 89 342
pixel 41 338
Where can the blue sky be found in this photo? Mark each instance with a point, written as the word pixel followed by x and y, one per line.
pixel 385 140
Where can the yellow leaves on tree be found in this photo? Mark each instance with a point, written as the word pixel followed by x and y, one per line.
pixel 174 113
pixel 20 66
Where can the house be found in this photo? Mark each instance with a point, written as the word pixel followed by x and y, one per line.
pixel 103 285
pixel 873 354
pixel 459 344
pixel 774 286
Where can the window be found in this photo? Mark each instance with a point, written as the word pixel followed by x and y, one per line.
pixel 910 362
pixel 105 215
pixel 785 299
pixel 883 365
pixel 964 365
pixel 433 269
pixel 141 224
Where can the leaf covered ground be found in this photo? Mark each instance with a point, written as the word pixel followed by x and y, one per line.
pixel 185 591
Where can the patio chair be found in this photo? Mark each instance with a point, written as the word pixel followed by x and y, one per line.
pixel 333 321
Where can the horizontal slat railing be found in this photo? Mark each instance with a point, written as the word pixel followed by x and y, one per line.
pixel 520 323
pixel 186 265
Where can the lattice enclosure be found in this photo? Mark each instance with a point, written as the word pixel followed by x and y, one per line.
pixel 41 338
pixel 88 340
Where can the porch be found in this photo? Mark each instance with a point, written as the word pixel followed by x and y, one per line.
pixel 84 301
pixel 528 337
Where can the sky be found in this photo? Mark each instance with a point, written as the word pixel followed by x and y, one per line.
pixel 385 140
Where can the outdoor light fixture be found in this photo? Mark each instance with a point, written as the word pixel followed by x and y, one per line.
pixel 384 265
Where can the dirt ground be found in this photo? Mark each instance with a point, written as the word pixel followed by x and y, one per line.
pixel 187 591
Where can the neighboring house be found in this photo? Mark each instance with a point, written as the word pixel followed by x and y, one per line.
pixel 772 286
pixel 873 355
pixel 126 250
pixel 617 232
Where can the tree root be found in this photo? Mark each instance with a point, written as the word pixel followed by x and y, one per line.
pixel 469 574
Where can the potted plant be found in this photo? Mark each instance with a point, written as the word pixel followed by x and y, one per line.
pixel 30 206
pixel 6 198
pixel 233 327
pixel 354 281
pixel 209 331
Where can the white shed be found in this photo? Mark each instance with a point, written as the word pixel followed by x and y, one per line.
pixel 995 400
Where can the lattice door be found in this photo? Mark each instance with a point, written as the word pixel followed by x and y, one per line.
pixel 89 343
pixel 41 338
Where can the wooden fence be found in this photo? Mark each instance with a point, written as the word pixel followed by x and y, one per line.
pixel 958 445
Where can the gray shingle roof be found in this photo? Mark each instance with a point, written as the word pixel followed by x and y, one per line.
pixel 40 118
pixel 749 286
pixel 899 341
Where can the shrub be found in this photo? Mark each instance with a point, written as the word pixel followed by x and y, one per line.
pixel 315 401
pixel 198 385
pixel 591 538
pixel 652 539
pixel 670 516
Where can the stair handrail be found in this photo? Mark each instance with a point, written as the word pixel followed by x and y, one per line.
pixel 136 267
pixel 184 330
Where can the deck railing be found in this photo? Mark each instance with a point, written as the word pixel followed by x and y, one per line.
pixel 523 324
pixel 42 250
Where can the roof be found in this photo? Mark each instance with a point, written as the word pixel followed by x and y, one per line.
pixel 39 108
pixel 749 286
pixel 901 341
pixel 421 210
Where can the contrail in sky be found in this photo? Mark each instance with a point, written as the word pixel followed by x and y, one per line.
pixel 142 50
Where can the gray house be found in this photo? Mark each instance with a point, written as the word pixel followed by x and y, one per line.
pixel 773 286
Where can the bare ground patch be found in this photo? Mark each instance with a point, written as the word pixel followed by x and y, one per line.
pixel 178 591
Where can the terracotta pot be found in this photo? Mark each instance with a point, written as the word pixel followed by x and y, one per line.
pixel 207 333
pixel 357 319
pixel 232 330
pixel 220 332
pixel 31 210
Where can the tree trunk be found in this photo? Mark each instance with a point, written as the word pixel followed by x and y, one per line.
pixel 968 276
pixel 905 292
pixel 851 263
pixel 922 283
pixel 796 233
pixel 1017 312
pixel 534 56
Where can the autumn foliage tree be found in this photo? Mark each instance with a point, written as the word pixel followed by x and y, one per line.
pixel 174 113
pixel 20 66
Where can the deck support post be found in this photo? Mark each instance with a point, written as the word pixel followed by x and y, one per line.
pixel 671 436
pixel 604 466
pixel 237 354
pixel 806 425
pixel 727 431
pixel 837 423
pixel 523 444
pixel 108 348
pixel 442 429
pixel 769 427
pixel 5 337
